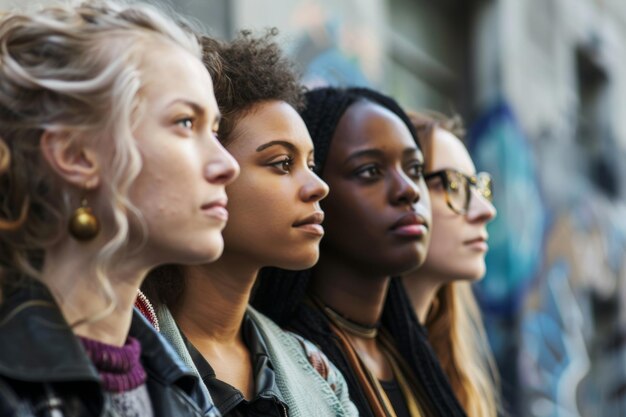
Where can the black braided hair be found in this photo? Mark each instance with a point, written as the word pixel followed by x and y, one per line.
pixel 279 293
pixel 325 107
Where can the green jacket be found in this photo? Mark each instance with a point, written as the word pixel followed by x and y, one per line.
pixel 305 391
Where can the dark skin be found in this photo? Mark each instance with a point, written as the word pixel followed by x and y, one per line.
pixel 374 169
pixel 269 205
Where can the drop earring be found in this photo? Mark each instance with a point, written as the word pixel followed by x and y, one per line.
pixel 83 224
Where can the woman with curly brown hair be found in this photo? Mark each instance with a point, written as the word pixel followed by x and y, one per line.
pixel 440 289
pixel 105 110
pixel 250 366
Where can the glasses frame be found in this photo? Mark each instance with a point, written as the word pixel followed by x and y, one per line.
pixel 481 182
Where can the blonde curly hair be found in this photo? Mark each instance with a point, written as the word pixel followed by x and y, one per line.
pixel 76 69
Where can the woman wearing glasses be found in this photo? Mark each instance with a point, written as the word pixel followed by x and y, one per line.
pixel 440 289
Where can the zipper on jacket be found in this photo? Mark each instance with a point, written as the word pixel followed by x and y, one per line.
pixel 284 410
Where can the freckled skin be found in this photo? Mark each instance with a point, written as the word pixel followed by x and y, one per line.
pixel 265 201
pixel 183 165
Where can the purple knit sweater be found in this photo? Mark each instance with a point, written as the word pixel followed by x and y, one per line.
pixel 119 367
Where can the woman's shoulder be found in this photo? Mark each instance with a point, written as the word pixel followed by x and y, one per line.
pixel 318 360
pixel 309 365
pixel 315 357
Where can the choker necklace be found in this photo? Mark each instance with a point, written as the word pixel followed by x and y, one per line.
pixel 366 332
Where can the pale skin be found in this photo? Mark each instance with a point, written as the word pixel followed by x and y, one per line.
pixel 274 149
pixel 175 130
pixel 374 171
pixel 452 255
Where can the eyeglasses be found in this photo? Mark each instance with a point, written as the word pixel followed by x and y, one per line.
pixel 457 187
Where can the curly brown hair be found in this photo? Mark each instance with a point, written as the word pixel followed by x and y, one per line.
pixel 247 71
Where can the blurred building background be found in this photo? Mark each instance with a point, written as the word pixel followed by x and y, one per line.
pixel 541 85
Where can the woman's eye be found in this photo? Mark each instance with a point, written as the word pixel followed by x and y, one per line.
pixel 416 170
pixel 368 172
pixel 435 184
pixel 185 122
pixel 283 165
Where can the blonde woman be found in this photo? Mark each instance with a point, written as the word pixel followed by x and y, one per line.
pixel 440 289
pixel 105 112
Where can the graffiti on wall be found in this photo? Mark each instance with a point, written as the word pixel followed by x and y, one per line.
pixel 554 296
pixel 334 49
pixel 573 334
pixel 331 42
pixel 498 146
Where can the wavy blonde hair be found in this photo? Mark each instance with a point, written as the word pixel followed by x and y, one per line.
pixel 76 69
pixel 454 323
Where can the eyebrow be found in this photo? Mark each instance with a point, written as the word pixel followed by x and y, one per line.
pixel 197 108
pixel 282 143
pixel 365 152
pixel 378 153
pixel 411 151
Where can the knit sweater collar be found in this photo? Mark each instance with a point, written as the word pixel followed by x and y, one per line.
pixel 119 367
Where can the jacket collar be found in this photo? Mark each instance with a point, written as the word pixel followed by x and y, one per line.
pixel 159 358
pixel 41 347
pixel 227 397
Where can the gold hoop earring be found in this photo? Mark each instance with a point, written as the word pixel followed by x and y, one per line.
pixel 83 225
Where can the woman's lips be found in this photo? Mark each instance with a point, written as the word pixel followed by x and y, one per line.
pixel 216 209
pixel 311 224
pixel 410 225
pixel 315 229
pixel 478 244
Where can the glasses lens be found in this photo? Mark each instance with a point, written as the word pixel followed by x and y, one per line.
pixel 457 191
pixel 484 185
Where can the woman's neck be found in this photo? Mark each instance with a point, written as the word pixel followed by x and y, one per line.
pixel 215 300
pixel 421 288
pixel 71 275
pixel 350 292
pixel 360 298
pixel 210 313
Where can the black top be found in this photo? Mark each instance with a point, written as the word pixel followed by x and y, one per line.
pixel 267 401
pixel 396 398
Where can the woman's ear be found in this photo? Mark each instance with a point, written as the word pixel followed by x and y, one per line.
pixel 75 162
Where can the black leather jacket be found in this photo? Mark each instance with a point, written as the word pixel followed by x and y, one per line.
pixel 44 370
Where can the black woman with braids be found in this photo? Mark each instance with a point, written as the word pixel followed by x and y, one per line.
pixel 377 227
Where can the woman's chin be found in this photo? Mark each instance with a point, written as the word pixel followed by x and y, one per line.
pixel 473 273
pixel 301 262
pixel 205 253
